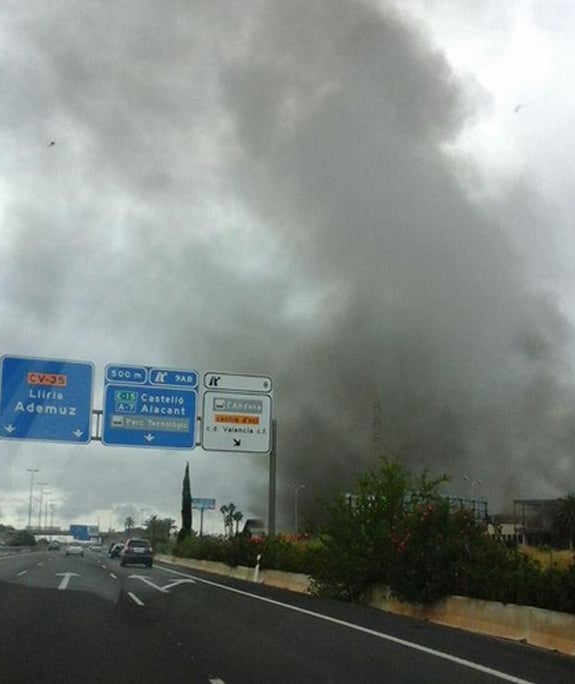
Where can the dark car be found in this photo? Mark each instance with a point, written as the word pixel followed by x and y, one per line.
pixel 137 551
pixel 53 546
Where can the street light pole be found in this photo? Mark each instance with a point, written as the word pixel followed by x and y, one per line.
pixel 296 492
pixel 41 485
pixel 479 482
pixel 31 471
pixel 52 504
pixel 46 510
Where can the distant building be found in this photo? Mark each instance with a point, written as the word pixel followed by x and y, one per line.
pixel 509 533
pixel 534 517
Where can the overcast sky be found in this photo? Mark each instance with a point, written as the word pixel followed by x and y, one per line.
pixel 369 201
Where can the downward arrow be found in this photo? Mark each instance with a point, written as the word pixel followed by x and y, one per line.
pixel 149 437
pixel 78 433
pixel 9 428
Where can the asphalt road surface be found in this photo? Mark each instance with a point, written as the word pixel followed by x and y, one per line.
pixel 72 619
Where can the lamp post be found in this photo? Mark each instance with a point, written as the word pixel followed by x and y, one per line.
pixel 296 493
pixel 52 504
pixel 31 471
pixel 41 485
pixel 46 510
pixel 475 482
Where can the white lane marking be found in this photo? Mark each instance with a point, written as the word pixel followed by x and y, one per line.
pixel 217 681
pixel 38 564
pixel 103 566
pixel 380 635
pixel 113 576
pixel 66 576
pixel 22 572
pixel 175 583
pixel 149 582
pixel 135 599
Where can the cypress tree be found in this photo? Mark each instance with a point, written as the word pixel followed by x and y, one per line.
pixel 186 529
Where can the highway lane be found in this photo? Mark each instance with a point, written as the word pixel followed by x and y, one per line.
pixel 193 627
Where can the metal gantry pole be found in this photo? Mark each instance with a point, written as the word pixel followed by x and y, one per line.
pixel 272 483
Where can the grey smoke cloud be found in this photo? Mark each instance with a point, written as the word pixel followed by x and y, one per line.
pixel 266 187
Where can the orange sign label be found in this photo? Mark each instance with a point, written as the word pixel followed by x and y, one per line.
pixel 49 379
pixel 241 420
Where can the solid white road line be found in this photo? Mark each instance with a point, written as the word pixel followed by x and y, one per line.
pixel 22 572
pixel 135 599
pixel 359 628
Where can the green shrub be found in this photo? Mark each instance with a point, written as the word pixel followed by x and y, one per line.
pixel 360 544
pixel 22 538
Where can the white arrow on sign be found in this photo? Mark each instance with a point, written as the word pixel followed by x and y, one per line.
pixel 9 428
pixel 78 433
pixel 149 437
pixel 66 576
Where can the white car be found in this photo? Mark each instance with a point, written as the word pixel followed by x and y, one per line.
pixel 75 549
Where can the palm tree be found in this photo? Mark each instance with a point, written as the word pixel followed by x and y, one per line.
pixel 129 523
pixel 565 517
pixel 237 517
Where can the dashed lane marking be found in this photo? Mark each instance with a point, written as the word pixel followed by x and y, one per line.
pixel 22 572
pixel 217 681
pixel 135 599
pixel 113 576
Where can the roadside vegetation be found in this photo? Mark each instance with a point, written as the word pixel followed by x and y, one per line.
pixel 397 530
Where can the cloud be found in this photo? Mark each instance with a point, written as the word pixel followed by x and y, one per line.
pixel 265 187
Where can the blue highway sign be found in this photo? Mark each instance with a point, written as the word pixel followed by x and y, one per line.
pixel 131 375
pixel 45 399
pixel 156 414
pixel 80 532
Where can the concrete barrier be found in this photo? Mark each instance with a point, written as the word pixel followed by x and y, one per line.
pixel 536 626
pixel 292 581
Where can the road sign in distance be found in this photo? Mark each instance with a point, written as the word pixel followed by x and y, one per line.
pixel 45 399
pixel 237 422
pixel 234 382
pixel 199 504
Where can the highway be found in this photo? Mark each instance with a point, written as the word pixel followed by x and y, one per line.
pixel 67 619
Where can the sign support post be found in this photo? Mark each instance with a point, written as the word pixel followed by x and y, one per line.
pixel 272 484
